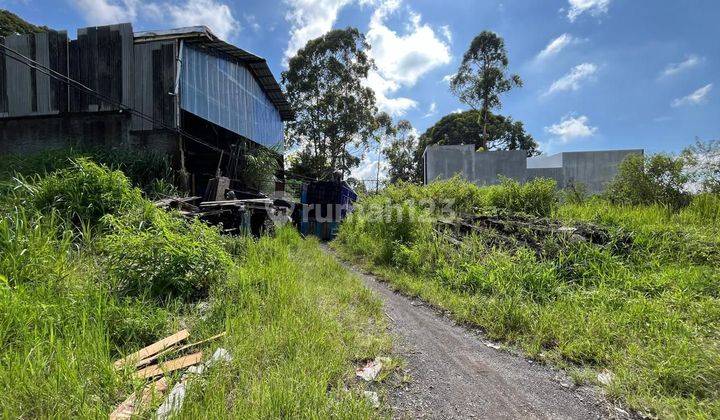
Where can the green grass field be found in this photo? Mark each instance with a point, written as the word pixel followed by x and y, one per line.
pixel 647 312
pixel 91 271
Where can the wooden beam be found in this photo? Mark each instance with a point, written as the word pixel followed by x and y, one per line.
pixel 152 349
pixel 173 349
pixel 167 367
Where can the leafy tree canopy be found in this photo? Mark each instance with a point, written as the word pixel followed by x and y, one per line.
pixel 335 112
pixel 11 24
pixel 400 154
pixel 504 133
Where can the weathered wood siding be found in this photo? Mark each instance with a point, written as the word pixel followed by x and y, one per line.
pixel 154 84
pixel 26 91
pixel 101 58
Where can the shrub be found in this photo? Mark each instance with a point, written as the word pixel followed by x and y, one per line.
pixel 156 254
pixel 538 197
pixel 84 192
pixel 657 179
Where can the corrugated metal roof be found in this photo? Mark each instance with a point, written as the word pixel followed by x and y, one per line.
pixel 203 37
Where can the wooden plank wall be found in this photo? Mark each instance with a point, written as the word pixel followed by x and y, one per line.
pixel 155 69
pixel 102 59
pixel 26 91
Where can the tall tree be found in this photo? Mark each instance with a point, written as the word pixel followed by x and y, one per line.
pixel 334 110
pixel 482 77
pixel 400 154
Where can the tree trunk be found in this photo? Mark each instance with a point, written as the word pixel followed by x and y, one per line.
pixel 483 140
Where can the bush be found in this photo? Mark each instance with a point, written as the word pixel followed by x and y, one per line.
pixel 657 179
pixel 538 197
pixel 159 255
pixel 84 192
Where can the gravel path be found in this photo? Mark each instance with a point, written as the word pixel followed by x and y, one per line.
pixel 455 373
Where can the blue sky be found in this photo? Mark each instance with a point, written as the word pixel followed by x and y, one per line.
pixel 598 74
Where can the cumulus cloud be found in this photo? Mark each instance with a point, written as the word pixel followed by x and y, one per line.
pixel 213 14
pixel 448 78
pixel 570 128
pixel 695 98
pixel 447 33
pixel 431 111
pixel 556 45
pixel 593 7
pixel 574 79
pixel 102 12
pixel 368 170
pixel 402 59
pixel 309 19
pixel 674 68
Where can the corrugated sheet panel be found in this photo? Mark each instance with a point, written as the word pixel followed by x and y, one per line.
pixel 227 93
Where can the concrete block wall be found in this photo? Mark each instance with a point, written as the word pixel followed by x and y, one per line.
pixel 593 169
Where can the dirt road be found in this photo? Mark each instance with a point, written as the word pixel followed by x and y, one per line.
pixel 455 373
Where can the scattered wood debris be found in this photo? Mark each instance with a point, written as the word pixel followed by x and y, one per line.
pixel 134 404
pixel 171 366
pixel 152 349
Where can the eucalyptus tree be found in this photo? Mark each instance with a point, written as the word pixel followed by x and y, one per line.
pixel 335 111
pixel 482 77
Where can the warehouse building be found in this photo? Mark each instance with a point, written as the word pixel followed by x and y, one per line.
pixel 592 169
pixel 161 91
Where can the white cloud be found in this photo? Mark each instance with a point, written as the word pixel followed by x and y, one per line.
pixel 593 7
pixel 448 78
pixel 102 12
pixel 309 19
pixel 431 111
pixel 383 87
pixel 556 45
pixel 213 14
pixel 675 68
pixel 457 111
pixel 574 79
pixel 447 33
pixel 402 59
pixel 252 22
pixel 570 128
pixel 695 98
pixel 368 170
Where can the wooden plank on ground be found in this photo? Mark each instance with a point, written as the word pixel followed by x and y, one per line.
pixel 173 349
pixel 134 404
pixel 172 365
pixel 156 347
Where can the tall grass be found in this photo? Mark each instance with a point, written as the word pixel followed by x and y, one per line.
pixel 84 281
pixel 648 312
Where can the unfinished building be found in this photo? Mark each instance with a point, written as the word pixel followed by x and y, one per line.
pixel 152 90
pixel 592 169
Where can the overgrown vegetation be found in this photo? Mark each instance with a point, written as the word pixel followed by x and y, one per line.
pixel 148 170
pixel 636 292
pixel 91 271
